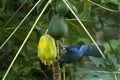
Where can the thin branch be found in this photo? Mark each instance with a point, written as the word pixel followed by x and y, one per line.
pixel 108 9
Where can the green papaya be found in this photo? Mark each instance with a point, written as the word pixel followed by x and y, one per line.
pixel 69 15
pixel 61 8
pixel 57 27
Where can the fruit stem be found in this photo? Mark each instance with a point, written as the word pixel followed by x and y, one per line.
pixel 46 31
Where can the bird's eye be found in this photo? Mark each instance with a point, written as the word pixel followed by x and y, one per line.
pixel 64 50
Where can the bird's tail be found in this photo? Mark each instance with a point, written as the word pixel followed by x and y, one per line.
pixel 93 51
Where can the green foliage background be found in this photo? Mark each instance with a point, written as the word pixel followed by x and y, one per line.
pixel 100 17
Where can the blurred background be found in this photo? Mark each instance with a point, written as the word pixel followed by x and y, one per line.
pixel 100 17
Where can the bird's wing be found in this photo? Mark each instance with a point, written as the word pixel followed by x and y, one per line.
pixel 83 49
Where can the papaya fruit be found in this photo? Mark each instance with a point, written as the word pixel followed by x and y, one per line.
pixel 57 27
pixel 61 8
pixel 47 51
pixel 69 15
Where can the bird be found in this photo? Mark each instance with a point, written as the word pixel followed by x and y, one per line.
pixel 73 53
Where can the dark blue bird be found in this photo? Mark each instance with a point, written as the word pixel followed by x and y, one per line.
pixel 73 53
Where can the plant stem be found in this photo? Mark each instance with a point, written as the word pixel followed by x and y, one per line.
pixel 115 76
pixel 63 70
pixel 56 66
pixel 56 71
pixel 108 9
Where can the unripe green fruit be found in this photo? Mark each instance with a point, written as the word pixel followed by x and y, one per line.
pixel 57 27
pixel 61 8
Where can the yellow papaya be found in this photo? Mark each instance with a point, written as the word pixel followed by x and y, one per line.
pixel 47 51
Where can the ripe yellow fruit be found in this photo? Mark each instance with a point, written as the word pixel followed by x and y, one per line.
pixel 47 51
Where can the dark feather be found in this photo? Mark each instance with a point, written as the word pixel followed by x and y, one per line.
pixel 93 51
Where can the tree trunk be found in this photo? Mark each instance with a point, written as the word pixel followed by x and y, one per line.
pixel 56 66
pixel 56 71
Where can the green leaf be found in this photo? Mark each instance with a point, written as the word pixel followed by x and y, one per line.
pixel 90 72
pixel 98 61
pixel 112 59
